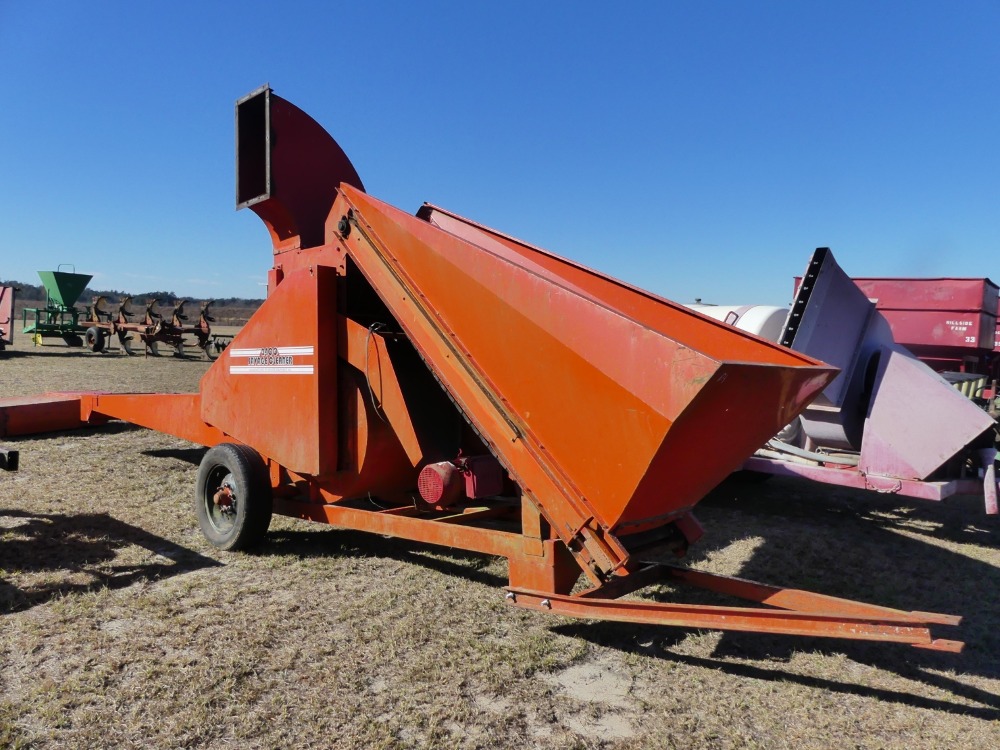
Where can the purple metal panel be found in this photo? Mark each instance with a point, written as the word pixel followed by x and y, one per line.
pixel 828 321
pixel 917 421
pixel 832 320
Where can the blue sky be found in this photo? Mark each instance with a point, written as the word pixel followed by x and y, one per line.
pixel 696 149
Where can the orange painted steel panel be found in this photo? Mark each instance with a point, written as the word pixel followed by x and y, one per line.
pixel 176 414
pixel 274 387
pixel 713 338
pixel 280 388
pixel 366 351
pixel 597 407
pixel 48 412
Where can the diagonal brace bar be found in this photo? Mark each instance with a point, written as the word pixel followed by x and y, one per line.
pixel 905 628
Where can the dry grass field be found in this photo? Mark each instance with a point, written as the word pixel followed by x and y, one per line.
pixel 120 627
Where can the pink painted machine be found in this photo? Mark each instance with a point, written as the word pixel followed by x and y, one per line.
pixel 6 316
pixel 887 422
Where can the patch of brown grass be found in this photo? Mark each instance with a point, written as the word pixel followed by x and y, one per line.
pixel 121 627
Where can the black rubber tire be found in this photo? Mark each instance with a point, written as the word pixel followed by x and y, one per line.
pixel 94 339
pixel 72 339
pixel 243 470
pixel 211 353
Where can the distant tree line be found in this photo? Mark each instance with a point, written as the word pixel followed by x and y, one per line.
pixel 36 292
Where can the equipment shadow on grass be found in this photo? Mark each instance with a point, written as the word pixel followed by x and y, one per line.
pixel 657 642
pixel 45 556
pixel 187 455
pixel 960 518
pixel 347 543
pixel 19 353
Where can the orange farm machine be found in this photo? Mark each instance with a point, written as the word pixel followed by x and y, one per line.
pixel 488 395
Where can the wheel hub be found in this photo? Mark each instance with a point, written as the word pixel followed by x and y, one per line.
pixel 225 498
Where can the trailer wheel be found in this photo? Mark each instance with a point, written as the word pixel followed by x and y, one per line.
pixel 95 339
pixel 233 497
pixel 71 339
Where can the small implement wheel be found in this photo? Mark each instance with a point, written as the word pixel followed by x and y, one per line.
pixel 72 339
pixel 95 339
pixel 233 497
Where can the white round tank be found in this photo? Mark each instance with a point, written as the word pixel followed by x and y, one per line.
pixel 766 321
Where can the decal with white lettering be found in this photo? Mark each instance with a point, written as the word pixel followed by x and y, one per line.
pixel 271 360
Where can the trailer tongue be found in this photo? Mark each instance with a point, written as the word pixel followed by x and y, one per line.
pixel 428 378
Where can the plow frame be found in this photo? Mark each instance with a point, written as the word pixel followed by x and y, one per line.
pixel 101 325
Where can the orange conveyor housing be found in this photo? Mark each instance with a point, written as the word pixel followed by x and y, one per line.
pixel 389 341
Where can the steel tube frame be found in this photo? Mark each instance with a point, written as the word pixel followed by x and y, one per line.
pixel 908 628
pixel 795 612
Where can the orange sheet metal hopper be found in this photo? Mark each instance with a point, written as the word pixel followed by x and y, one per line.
pixel 594 393
pixel 596 413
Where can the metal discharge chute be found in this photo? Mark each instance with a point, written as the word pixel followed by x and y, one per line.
pixel 425 377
